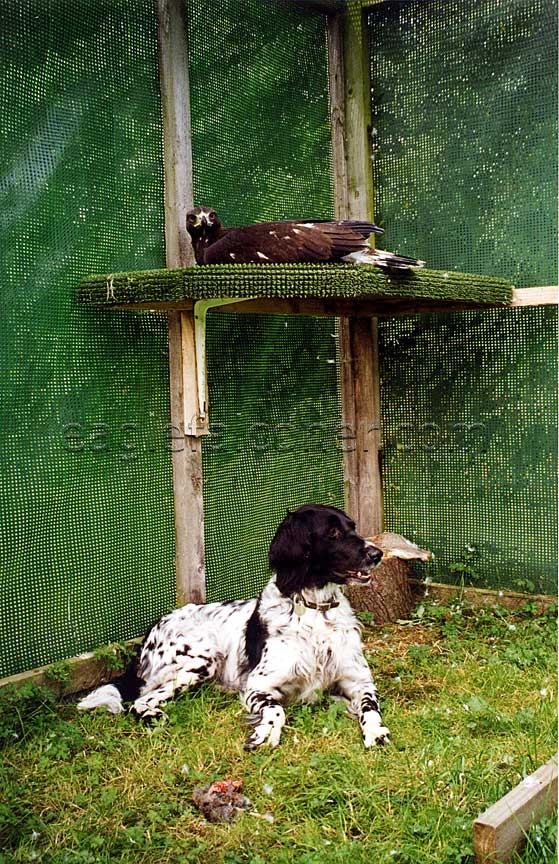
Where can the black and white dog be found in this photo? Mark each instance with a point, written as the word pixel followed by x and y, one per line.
pixel 297 639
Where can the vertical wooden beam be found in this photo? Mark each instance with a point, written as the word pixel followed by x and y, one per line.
pixel 357 111
pixel 336 88
pixel 177 155
pixel 350 116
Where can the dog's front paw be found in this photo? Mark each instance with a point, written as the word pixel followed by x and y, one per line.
pixel 376 737
pixel 268 723
pixel 263 734
pixel 144 710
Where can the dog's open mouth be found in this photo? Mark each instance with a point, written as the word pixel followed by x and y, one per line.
pixel 358 577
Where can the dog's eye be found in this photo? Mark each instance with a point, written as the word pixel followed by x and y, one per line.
pixel 334 534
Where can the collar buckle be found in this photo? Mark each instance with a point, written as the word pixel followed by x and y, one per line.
pixel 300 604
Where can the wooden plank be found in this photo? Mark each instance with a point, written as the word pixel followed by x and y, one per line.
pixel 186 449
pixel 357 112
pixel 480 597
pixel 381 307
pixel 358 340
pixel 188 369
pixel 83 673
pixel 293 281
pixel 501 830
pixel 543 295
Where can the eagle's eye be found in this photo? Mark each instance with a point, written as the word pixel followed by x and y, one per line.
pixel 335 534
pixel 212 216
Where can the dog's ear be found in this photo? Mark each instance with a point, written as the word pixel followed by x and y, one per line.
pixel 290 552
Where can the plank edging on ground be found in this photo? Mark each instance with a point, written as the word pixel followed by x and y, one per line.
pixel 487 597
pixel 501 829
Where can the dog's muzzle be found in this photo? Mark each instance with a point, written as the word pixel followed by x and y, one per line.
pixel 362 576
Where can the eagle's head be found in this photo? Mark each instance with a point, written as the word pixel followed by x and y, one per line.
pixel 202 222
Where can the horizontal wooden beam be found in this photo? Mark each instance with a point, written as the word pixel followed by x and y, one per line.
pixel 502 829
pixel 544 295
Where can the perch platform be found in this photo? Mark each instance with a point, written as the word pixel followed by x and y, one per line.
pixel 344 290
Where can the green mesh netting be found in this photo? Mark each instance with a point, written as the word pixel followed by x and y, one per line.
pixel 261 146
pixel 464 97
pixel 87 536
pixel 86 532
pixel 86 527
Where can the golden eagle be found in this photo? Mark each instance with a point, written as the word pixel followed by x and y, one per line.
pixel 292 241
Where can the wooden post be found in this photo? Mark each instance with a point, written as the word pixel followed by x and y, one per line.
pixel 186 449
pixel 350 117
pixel 502 828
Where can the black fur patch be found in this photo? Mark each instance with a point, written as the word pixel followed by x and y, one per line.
pixel 129 683
pixel 256 634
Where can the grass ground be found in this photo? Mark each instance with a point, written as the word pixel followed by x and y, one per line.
pixel 469 696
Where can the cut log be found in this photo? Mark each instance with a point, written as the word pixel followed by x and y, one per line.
pixel 388 596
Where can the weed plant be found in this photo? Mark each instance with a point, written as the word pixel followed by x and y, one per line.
pixel 469 696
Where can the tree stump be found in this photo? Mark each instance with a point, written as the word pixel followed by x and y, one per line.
pixel 388 596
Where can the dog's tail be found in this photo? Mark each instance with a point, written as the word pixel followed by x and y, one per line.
pixel 116 695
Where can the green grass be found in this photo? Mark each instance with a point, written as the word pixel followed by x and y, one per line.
pixel 470 700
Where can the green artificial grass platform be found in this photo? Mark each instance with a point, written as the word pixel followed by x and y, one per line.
pixel 329 282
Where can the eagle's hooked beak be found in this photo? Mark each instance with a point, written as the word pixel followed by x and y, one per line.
pixel 202 219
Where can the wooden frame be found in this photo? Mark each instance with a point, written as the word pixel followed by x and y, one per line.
pixel 358 337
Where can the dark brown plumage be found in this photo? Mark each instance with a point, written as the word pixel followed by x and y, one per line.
pixel 288 242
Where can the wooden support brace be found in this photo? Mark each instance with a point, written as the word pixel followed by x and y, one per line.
pixel 502 828
pixel 196 411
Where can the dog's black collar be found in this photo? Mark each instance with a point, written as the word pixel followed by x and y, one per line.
pixel 299 604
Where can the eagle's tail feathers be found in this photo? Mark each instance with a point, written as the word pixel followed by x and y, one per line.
pixel 380 258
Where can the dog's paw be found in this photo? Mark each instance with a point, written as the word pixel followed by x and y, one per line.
pixel 265 733
pixel 146 711
pixel 377 737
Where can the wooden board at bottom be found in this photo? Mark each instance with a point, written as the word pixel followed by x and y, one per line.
pixel 501 830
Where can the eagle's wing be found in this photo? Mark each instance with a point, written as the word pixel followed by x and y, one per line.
pixel 292 241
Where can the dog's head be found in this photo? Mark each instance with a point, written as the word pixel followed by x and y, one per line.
pixel 315 545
